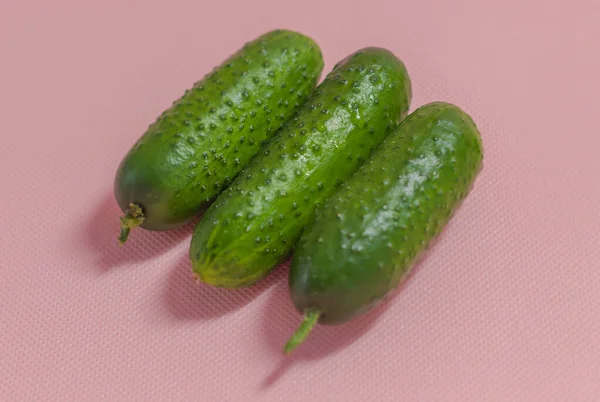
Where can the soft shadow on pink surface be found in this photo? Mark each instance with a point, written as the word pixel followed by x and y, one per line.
pixel 324 340
pixel 187 299
pixel 102 229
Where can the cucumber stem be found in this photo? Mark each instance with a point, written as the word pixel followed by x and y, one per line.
pixel 311 317
pixel 132 219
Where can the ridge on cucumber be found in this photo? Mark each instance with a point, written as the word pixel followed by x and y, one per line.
pixel 196 147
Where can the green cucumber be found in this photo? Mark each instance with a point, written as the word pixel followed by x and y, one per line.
pixel 255 223
pixel 198 145
pixel 368 235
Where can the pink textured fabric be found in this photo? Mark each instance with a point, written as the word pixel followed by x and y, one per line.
pixel 505 307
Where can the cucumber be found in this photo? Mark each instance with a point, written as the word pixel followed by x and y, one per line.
pixel 255 223
pixel 198 145
pixel 368 235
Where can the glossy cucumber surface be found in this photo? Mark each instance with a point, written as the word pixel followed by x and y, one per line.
pixel 255 223
pixel 367 236
pixel 198 145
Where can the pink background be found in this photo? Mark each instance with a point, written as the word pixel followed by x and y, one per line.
pixel 506 306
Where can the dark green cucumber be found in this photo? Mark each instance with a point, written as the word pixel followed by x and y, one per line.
pixel 255 223
pixel 367 235
pixel 198 145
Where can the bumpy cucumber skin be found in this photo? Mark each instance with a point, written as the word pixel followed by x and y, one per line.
pixel 368 234
pixel 255 223
pixel 198 145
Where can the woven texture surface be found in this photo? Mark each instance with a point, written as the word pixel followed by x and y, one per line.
pixel 505 307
